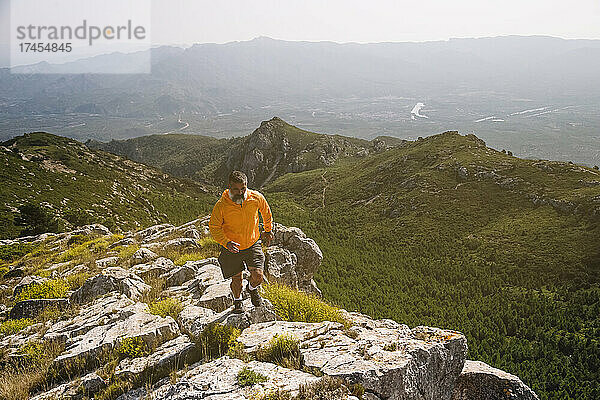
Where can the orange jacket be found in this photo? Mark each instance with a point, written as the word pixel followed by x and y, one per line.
pixel 231 221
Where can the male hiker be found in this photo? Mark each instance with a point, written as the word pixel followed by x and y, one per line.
pixel 234 224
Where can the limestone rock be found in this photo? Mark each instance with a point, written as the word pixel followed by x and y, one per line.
pixel 478 381
pixel 280 266
pixel 33 307
pixel 143 255
pixel 169 356
pixel 217 380
pixel 107 262
pixel 179 275
pixel 159 266
pixel 109 280
pixel 217 296
pixel 390 360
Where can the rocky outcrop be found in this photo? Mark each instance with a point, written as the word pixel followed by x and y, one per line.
pixel 385 358
pixel 480 381
pixel 388 359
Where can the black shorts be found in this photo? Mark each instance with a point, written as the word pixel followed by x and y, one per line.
pixel 233 263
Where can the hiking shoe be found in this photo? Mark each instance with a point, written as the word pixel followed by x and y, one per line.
pixel 238 307
pixel 257 301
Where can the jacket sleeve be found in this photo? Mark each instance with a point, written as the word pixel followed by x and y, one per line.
pixel 215 225
pixel 265 211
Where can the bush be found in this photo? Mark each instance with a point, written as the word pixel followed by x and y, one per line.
pixel 12 252
pixel 216 339
pixel 168 306
pixel 35 219
pixel 14 325
pixel 281 350
pixel 52 289
pixel 247 377
pixel 132 347
pixel 295 305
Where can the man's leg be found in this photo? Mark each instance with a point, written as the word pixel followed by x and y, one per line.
pixel 256 277
pixel 236 285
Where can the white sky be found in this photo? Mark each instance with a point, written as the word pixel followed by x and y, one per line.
pixel 184 22
pixel 191 21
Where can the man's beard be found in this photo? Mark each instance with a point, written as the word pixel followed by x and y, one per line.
pixel 237 198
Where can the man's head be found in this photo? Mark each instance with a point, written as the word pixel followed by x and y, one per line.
pixel 237 185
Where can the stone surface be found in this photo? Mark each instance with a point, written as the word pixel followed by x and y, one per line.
pixel 280 266
pixel 33 307
pixel 217 296
pixel 478 381
pixel 143 255
pixel 107 262
pixel 217 380
pixel 109 280
pixel 158 267
pixel 102 325
pixel 179 275
pixel 169 356
pixel 390 360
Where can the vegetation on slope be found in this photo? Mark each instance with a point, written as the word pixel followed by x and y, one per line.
pixel 409 235
pixel 52 183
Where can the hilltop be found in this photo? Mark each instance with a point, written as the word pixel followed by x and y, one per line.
pixel 89 313
pixel 271 150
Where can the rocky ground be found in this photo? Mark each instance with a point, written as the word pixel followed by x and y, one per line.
pixel 104 337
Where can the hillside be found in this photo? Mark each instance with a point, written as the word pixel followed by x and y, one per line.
pixel 147 314
pixel 67 185
pixel 448 232
pixel 271 150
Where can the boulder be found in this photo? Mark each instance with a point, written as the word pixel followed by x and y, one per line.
pixel 107 262
pixel 159 266
pixel 143 255
pixel 280 266
pixel 478 381
pixel 33 307
pixel 308 254
pixel 84 349
pixel 109 280
pixel 182 244
pixel 179 275
pixel 217 296
pixel 170 356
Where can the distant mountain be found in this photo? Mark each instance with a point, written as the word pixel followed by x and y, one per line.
pixel 78 185
pixel 272 150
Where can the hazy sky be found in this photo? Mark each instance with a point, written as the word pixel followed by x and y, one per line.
pixel 188 21
pixel 200 21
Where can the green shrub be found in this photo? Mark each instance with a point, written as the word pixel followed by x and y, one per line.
pixel 216 339
pixel 12 252
pixel 14 325
pixel 282 350
pixel 247 377
pixel 52 289
pixel 132 347
pixel 168 306
pixel 296 305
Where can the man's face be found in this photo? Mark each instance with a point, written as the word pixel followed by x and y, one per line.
pixel 237 191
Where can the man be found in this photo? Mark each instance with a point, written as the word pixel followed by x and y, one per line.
pixel 234 224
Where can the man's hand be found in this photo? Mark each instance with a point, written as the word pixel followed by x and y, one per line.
pixel 267 237
pixel 233 246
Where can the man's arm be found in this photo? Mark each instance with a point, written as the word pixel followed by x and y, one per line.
pixel 215 225
pixel 265 211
